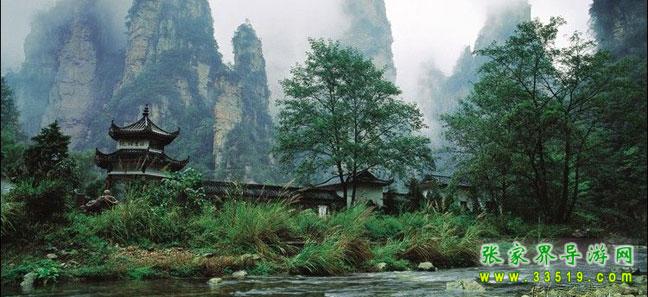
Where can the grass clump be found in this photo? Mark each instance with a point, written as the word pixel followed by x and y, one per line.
pixel 243 227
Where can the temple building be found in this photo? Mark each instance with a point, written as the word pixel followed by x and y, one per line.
pixel 140 152
pixel 369 188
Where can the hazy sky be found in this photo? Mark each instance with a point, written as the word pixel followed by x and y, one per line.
pixel 424 31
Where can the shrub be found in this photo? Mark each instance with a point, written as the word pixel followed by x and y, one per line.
pixel 325 258
pixel 43 201
pixel 443 239
pixel 183 189
pixel 350 221
pixel 11 212
pixel 139 273
pixel 384 227
pixel 309 225
pixel 46 270
pixel 263 268
pixel 137 221
pixel 390 253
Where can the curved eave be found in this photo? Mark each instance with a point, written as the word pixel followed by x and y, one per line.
pixel 103 160
pixel 177 165
pixel 148 130
pixel 106 161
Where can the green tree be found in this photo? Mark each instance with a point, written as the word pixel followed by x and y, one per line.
pixel 12 137
pixel 49 176
pixel 531 124
pixel 48 150
pixel 342 117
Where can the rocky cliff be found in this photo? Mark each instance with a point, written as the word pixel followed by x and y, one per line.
pixel 84 71
pixel 440 94
pixel 369 31
pixel 70 67
pixel 243 153
pixel 170 61
pixel 620 26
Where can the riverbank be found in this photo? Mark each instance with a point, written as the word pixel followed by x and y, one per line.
pixel 138 241
pixel 170 230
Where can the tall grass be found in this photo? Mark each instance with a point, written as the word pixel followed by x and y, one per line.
pixel 10 215
pixel 204 237
pixel 243 227
pixel 137 221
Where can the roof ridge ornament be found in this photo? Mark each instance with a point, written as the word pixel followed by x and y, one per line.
pixel 146 110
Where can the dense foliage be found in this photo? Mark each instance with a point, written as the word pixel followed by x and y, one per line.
pixel 342 117
pixel 534 134
pixel 12 137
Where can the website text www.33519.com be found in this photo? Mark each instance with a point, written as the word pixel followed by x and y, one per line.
pixel 556 276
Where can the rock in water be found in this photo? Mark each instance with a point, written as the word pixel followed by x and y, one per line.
pixel 241 274
pixel 426 266
pixel 28 282
pixel 468 285
pixel 214 281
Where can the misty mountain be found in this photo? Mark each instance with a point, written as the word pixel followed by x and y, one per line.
pixel 440 94
pixel 79 71
pixel 370 32
pixel 73 55
pixel 620 26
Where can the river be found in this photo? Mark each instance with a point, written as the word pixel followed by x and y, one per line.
pixel 406 283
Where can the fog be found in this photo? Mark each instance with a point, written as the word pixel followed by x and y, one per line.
pixel 435 32
pixel 283 27
pixel 424 32
pixel 17 17
pixel 15 21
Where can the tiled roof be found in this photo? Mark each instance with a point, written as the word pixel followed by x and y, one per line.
pixel 144 128
pixel 106 161
pixel 362 177
pixel 444 180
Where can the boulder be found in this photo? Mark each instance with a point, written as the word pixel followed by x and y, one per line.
pixel 468 285
pixel 425 266
pixel 241 274
pixel 249 257
pixel 51 256
pixel 214 281
pixel 381 266
pixel 28 282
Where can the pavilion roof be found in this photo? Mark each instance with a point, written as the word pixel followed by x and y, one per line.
pixel 146 156
pixel 144 128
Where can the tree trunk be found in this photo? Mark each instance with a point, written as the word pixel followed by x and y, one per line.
pixel 570 210
pixel 343 184
pixel 354 185
pixel 560 215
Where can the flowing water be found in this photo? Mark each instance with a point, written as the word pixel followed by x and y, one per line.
pixel 407 283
